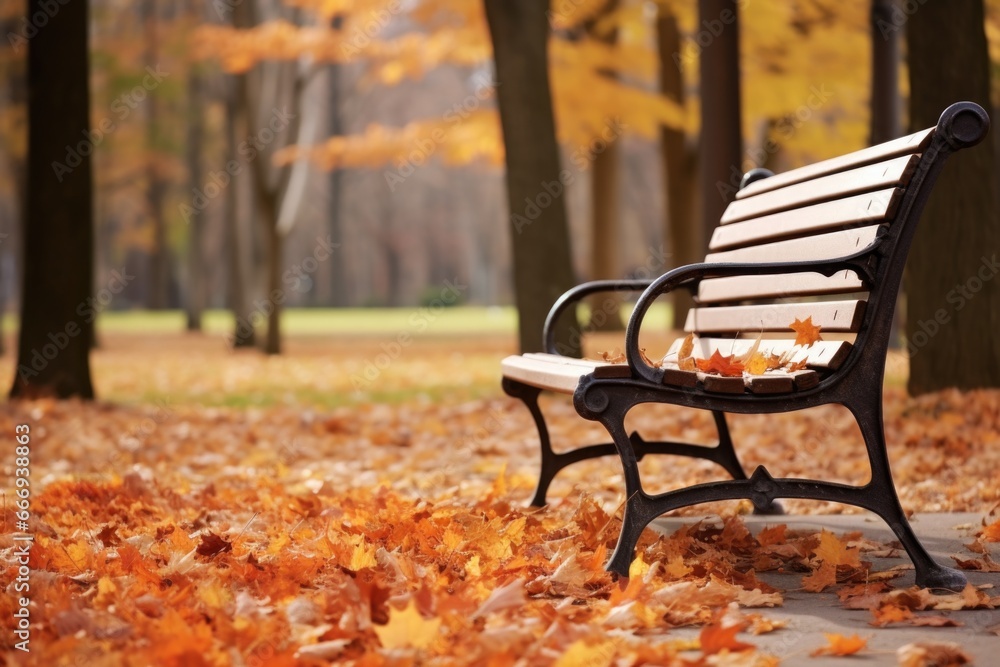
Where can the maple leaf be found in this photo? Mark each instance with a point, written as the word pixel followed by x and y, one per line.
pixel 407 628
pixel 684 359
pixel 649 362
pixel 991 533
pixel 832 550
pixel 798 365
pixel 840 645
pixel 725 366
pixel 715 638
pixel 921 654
pixel 756 364
pixel 614 357
pixel 890 613
pixel 824 576
pixel 806 333
pixel 212 545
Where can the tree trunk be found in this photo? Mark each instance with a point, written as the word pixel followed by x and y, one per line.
pixel 243 336
pixel 535 185
pixel 953 295
pixel 605 220
pixel 721 138
pixel 885 124
pixel 338 276
pixel 680 164
pixel 195 136
pixel 885 111
pixel 268 202
pixel 54 340
pixel 159 258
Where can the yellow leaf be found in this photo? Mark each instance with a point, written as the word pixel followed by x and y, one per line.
pixel 584 654
pixel 757 364
pixel 676 567
pixel 638 568
pixel 407 628
pixel 363 556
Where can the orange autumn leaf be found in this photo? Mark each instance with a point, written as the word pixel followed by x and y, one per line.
pixel 832 550
pixel 823 577
pixel 797 365
pixel 991 533
pixel 839 645
pixel 772 535
pixel 715 638
pixel 725 366
pixel 407 628
pixel 806 333
pixel 890 613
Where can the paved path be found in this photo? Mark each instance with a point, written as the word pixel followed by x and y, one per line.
pixel 810 615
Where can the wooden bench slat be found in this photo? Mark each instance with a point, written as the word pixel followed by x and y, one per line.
pixel 863 179
pixel 870 207
pixel 601 369
pixel 562 378
pixel 913 143
pixel 825 355
pixel 806 249
pixel 741 288
pixel 843 316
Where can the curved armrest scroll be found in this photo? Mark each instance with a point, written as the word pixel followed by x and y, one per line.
pixel 574 295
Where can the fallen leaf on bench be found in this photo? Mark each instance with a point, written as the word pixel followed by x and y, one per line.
pixel 797 365
pixel 840 645
pixel 649 362
pixel 614 357
pixel 725 366
pixel 806 333
pixel 684 359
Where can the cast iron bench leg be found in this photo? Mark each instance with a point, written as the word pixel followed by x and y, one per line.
pixel 551 463
pixel 884 501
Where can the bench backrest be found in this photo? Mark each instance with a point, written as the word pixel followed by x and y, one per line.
pixel 862 207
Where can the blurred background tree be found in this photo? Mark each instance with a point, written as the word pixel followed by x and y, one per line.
pixel 310 153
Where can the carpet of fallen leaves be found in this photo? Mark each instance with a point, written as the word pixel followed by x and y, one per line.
pixel 374 534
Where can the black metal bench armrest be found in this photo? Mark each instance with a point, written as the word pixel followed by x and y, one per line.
pixel 575 295
pixel 692 274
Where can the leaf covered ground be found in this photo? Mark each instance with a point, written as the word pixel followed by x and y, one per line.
pixel 169 533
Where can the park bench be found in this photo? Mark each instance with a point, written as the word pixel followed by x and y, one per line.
pixel 826 241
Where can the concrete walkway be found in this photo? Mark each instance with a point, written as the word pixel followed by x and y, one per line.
pixel 809 615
